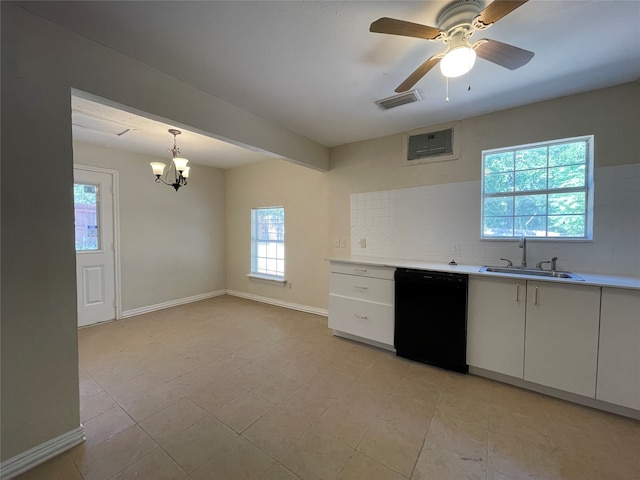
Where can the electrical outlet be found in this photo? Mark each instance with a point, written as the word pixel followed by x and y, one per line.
pixel 343 243
pixel 456 249
pixel 290 285
pixel 336 242
pixel 363 243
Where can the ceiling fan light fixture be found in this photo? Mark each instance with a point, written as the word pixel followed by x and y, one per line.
pixel 458 61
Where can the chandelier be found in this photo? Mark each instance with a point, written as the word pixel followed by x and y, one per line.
pixel 178 166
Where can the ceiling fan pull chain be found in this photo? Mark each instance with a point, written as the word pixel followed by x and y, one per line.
pixel 446 80
pixel 469 81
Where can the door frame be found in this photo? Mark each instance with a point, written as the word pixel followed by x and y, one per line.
pixel 116 230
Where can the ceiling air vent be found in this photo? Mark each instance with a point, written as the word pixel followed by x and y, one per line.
pixel 97 124
pixel 401 99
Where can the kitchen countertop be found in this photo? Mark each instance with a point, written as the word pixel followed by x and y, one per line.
pixel 588 278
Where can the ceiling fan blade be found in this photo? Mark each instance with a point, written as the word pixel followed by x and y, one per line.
pixel 502 54
pixel 393 26
pixel 420 72
pixel 496 10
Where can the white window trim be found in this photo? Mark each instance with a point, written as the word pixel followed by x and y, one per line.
pixel 272 279
pixel 257 276
pixel 590 189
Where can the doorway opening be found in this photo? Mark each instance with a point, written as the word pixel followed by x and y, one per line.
pixel 96 228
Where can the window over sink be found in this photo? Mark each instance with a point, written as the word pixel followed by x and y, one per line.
pixel 542 190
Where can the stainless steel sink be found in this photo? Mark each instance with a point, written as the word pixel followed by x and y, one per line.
pixel 534 272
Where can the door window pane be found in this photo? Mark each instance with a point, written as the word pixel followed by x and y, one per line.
pixel 85 207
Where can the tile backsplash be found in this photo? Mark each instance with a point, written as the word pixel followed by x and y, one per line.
pixel 442 222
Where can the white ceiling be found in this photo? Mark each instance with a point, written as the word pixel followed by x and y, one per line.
pixel 314 67
pixel 111 127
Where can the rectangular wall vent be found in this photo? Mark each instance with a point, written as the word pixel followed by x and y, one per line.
pixel 400 99
pixel 432 144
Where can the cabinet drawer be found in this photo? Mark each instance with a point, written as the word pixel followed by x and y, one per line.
pixel 362 288
pixel 363 270
pixel 368 320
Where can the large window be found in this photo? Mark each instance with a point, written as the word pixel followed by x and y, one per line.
pixel 267 242
pixel 541 190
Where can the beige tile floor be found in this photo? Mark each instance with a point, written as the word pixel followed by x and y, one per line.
pixel 230 389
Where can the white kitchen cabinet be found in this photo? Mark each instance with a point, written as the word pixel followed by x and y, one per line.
pixel 619 350
pixel 361 301
pixel 561 336
pixel 496 325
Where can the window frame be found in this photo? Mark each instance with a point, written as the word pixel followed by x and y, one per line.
pixel 256 272
pixel 588 189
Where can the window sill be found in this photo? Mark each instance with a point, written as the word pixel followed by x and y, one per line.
pixel 272 279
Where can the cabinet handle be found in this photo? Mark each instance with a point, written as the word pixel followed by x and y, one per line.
pixel 536 300
pixel 359 269
pixel 361 287
pixel 517 292
pixel 364 317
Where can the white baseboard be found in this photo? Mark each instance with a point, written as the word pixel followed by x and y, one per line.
pixel 171 303
pixel 373 343
pixel 553 392
pixel 35 456
pixel 280 303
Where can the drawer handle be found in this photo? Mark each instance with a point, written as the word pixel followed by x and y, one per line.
pixel 536 301
pixel 359 269
pixel 517 292
pixel 361 287
pixel 364 317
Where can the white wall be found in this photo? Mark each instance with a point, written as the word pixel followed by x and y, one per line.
pixel 436 205
pixel 172 243
pixel 425 223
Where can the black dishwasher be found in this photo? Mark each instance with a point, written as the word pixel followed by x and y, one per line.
pixel 431 318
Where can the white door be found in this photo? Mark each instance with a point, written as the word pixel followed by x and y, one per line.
pixel 95 245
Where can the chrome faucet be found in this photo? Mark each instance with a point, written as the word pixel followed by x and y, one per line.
pixel 552 262
pixel 523 246
pixel 509 264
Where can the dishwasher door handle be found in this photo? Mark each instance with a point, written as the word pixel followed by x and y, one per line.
pixel 363 317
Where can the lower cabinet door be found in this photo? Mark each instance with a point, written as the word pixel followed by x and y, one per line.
pixel 373 321
pixel 619 352
pixel 495 325
pixel 561 346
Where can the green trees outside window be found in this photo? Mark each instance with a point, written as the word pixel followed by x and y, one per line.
pixel 540 190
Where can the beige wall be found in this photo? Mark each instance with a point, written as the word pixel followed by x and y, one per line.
pixel 172 244
pixel 303 194
pixel 610 114
pixel 41 63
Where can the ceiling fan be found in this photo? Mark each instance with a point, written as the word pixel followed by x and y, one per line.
pixel 456 23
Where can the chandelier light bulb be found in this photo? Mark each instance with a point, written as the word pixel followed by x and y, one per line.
pixel 158 167
pixel 181 163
